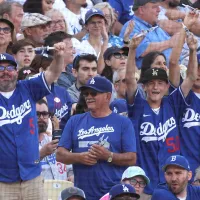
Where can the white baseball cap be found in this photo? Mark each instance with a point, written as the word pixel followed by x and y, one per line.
pixel 135 171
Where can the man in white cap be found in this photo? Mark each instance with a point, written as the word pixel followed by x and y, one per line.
pixel 36 27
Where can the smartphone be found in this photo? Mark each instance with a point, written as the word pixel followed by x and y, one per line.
pixel 56 134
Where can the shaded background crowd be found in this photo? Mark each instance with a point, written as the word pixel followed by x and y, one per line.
pixel 127 97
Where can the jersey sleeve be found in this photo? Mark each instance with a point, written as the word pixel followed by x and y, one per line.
pixel 38 87
pixel 128 136
pixel 179 102
pixel 136 106
pixel 66 138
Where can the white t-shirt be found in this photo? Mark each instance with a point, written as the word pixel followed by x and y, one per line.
pixel 71 19
pixel 51 169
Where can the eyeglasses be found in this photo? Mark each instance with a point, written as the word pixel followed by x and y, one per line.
pixel 93 23
pixel 44 114
pixel 91 93
pixel 58 22
pixel 8 68
pixel 120 55
pixel 122 80
pixel 5 30
pixel 134 182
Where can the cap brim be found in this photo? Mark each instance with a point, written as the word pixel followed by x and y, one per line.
pixel 165 166
pixel 90 87
pixel 95 14
pixel 7 22
pixel 147 80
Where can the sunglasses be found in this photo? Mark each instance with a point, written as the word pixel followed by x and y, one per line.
pixel 120 55
pixel 197 181
pixel 5 30
pixel 122 80
pixel 9 68
pixel 91 93
pixel 44 114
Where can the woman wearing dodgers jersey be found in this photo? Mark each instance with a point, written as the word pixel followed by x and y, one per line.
pixel 155 119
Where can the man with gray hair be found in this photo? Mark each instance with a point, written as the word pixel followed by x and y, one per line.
pixel 13 11
pixel 36 27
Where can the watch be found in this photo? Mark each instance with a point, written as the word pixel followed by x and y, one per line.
pixel 110 158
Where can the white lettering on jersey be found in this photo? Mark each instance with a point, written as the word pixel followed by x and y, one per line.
pixel 191 118
pixel 59 112
pixel 150 133
pixel 94 131
pixel 15 114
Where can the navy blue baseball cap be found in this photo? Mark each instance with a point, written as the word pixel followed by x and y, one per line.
pixel 99 84
pixel 155 74
pixel 5 57
pixel 198 58
pixel 138 3
pixel 177 160
pixel 121 189
pixel 92 12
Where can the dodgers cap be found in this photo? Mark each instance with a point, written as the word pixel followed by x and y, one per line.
pixel 99 84
pixel 92 12
pixel 5 57
pixel 120 189
pixel 155 74
pixel 177 160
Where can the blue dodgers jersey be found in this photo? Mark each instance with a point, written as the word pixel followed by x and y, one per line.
pixel 162 192
pixel 123 8
pixel 19 152
pixel 60 103
pixel 190 131
pixel 115 133
pixel 157 135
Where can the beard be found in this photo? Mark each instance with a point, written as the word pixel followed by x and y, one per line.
pixel 42 126
pixel 8 85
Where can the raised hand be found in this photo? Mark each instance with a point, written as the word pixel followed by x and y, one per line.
pixel 191 18
pixel 135 41
pixel 192 42
pixel 128 30
pixel 60 49
pixel 104 32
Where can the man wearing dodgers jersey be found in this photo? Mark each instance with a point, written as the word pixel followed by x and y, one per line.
pixel 102 142
pixel 190 122
pixel 156 118
pixel 20 160
pixel 177 174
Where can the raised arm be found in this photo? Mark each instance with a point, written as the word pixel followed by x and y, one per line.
pixel 54 70
pixel 192 71
pixel 174 69
pixel 131 82
pixel 101 63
